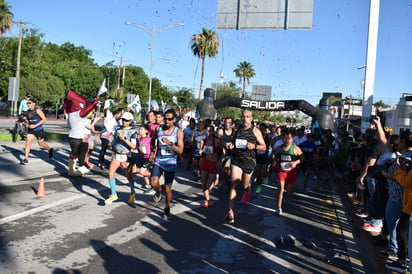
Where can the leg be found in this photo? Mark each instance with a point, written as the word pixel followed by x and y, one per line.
pixel 29 141
pixel 236 175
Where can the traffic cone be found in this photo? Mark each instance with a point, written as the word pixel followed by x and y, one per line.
pixel 41 192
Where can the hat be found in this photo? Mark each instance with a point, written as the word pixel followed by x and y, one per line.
pixel 127 116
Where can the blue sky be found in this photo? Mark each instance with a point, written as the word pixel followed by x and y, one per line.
pixel 298 64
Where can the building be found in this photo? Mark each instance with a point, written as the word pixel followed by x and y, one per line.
pixel 400 118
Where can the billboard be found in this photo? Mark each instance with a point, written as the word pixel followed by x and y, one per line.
pixel 263 14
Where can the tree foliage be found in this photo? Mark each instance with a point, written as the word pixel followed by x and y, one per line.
pixel 205 44
pixel 6 17
pixel 244 72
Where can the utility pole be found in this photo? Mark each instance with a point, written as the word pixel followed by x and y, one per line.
pixel 18 62
pixel 152 31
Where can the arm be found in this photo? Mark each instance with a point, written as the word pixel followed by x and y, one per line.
pixel 298 153
pixel 153 145
pixel 381 132
pixel 261 145
pixel 88 108
pixel 370 162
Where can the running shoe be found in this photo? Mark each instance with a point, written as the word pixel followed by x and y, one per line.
pixel 157 196
pixel 397 266
pixel 111 199
pixel 258 189
pixel 83 170
pixel 361 213
pixel 131 198
pixel 279 211
pixel 246 197
pixel 24 162
pixel 166 213
pixel 389 254
pixel 101 165
pixel 51 152
pixel 230 217
pixel 149 191
pixel 206 204
pixel 372 228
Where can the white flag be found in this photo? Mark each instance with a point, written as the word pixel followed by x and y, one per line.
pixel 174 99
pixel 102 88
pixel 154 105
pixel 163 106
pixel 135 106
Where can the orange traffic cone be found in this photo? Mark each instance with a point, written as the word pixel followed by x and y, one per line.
pixel 41 192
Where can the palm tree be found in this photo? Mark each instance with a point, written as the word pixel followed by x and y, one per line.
pixel 244 72
pixel 6 17
pixel 205 44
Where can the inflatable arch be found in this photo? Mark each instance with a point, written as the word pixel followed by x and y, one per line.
pixel 322 118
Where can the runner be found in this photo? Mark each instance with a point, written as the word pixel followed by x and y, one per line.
pixel 287 157
pixel 247 139
pixel 124 141
pixel 34 121
pixel 167 144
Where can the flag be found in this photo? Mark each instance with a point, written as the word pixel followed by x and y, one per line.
pixel 154 105
pixel 174 99
pixel 102 88
pixel 135 106
pixel 163 106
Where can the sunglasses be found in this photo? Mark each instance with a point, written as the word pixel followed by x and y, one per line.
pixel 125 120
pixel 169 119
pixel 29 103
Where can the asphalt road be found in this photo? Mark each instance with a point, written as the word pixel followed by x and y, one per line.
pixel 70 230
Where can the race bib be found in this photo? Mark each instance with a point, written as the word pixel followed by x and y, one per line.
pixel 208 149
pixel 166 150
pixel 241 143
pixel 285 166
pixel 142 149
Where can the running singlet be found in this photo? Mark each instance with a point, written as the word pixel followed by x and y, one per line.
pixel 166 158
pixel 242 137
pixel 228 139
pixel 120 146
pixel 283 158
pixel 143 144
pixel 199 137
pixel 34 118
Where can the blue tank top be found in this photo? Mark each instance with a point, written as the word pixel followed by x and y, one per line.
pixel 34 118
pixel 166 158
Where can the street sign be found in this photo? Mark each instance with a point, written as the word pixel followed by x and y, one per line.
pixel 263 14
pixel 14 84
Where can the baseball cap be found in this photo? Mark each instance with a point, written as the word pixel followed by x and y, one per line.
pixel 127 116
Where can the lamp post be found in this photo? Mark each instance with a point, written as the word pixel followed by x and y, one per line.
pixel 152 31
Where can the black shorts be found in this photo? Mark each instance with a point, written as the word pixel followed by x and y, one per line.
pixel 247 165
pixel 39 134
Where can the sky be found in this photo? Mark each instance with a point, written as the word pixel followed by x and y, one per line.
pixel 298 64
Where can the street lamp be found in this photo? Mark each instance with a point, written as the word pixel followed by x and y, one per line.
pixel 152 31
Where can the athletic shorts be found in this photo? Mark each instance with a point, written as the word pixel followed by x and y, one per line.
pixel 158 171
pixel 289 176
pixel 209 166
pixel 39 134
pixel 246 165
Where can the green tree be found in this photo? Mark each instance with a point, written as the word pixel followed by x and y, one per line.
pixel 230 89
pixel 6 17
pixel 380 105
pixel 244 72
pixel 205 44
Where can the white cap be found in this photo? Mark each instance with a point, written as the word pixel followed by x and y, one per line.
pixel 127 116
